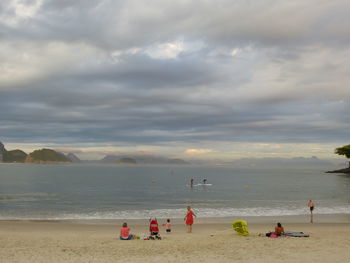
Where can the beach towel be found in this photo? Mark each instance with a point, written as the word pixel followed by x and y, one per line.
pixel 296 234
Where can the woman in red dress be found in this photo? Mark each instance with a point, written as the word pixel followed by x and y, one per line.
pixel 189 219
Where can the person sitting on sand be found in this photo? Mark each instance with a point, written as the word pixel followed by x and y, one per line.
pixel 125 233
pixel 279 230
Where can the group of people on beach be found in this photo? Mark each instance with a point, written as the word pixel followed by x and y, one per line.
pixel 279 230
pixel 189 220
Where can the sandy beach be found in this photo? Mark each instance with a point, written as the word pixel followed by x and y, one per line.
pixel 213 240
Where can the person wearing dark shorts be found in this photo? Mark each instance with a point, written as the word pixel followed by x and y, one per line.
pixel 167 226
pixel 311 205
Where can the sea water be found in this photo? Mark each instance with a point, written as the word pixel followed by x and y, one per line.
pixel 135 192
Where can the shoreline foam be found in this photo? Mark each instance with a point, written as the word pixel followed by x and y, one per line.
pixel 318 218
pixel 179 212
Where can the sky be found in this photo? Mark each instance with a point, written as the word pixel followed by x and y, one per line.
pixel 190 79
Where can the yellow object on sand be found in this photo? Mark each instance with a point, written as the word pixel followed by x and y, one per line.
pixel 241 227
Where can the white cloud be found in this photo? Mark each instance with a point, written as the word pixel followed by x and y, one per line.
pixel 168 50
pixel 198 151
pixel 18 10
pixel 235 52
pixel 24 63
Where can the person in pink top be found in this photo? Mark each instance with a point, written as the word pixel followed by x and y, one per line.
pixel 189 219
pixel 125 233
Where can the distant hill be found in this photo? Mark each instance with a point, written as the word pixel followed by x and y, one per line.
pixel 14 156
pixel 127 160
pixel 143 159
pixel 110 158
pixel 46 156
pixel 2 148
pixel 344 171
pixel 73 158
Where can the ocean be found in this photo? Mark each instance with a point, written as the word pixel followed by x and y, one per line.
pixel 54 192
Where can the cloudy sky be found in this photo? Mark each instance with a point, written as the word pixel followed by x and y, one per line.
pixel 191 79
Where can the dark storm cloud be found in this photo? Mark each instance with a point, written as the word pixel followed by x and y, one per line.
pixel 146 73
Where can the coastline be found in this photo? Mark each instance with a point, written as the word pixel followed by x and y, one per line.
pixel 212 240
pixel 318 218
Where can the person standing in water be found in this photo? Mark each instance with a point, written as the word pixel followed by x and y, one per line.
pixel 191 182
pixel 311 205
pixel 189 219
pixel 204 181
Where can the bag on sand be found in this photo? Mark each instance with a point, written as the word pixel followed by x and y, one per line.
pixel 241 227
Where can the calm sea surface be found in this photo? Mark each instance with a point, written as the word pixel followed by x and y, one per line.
pixel 117 192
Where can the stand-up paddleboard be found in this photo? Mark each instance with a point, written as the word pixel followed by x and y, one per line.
pixel 196 185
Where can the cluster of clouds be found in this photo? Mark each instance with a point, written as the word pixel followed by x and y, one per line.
pixel 170 75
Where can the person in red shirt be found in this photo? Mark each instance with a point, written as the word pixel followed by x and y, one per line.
pixel 125 233
pixel 189 219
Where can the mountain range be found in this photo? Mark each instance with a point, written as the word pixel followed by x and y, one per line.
pixel 52 156
pixel 142 159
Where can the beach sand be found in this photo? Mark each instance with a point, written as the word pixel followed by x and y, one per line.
pixel 212 240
